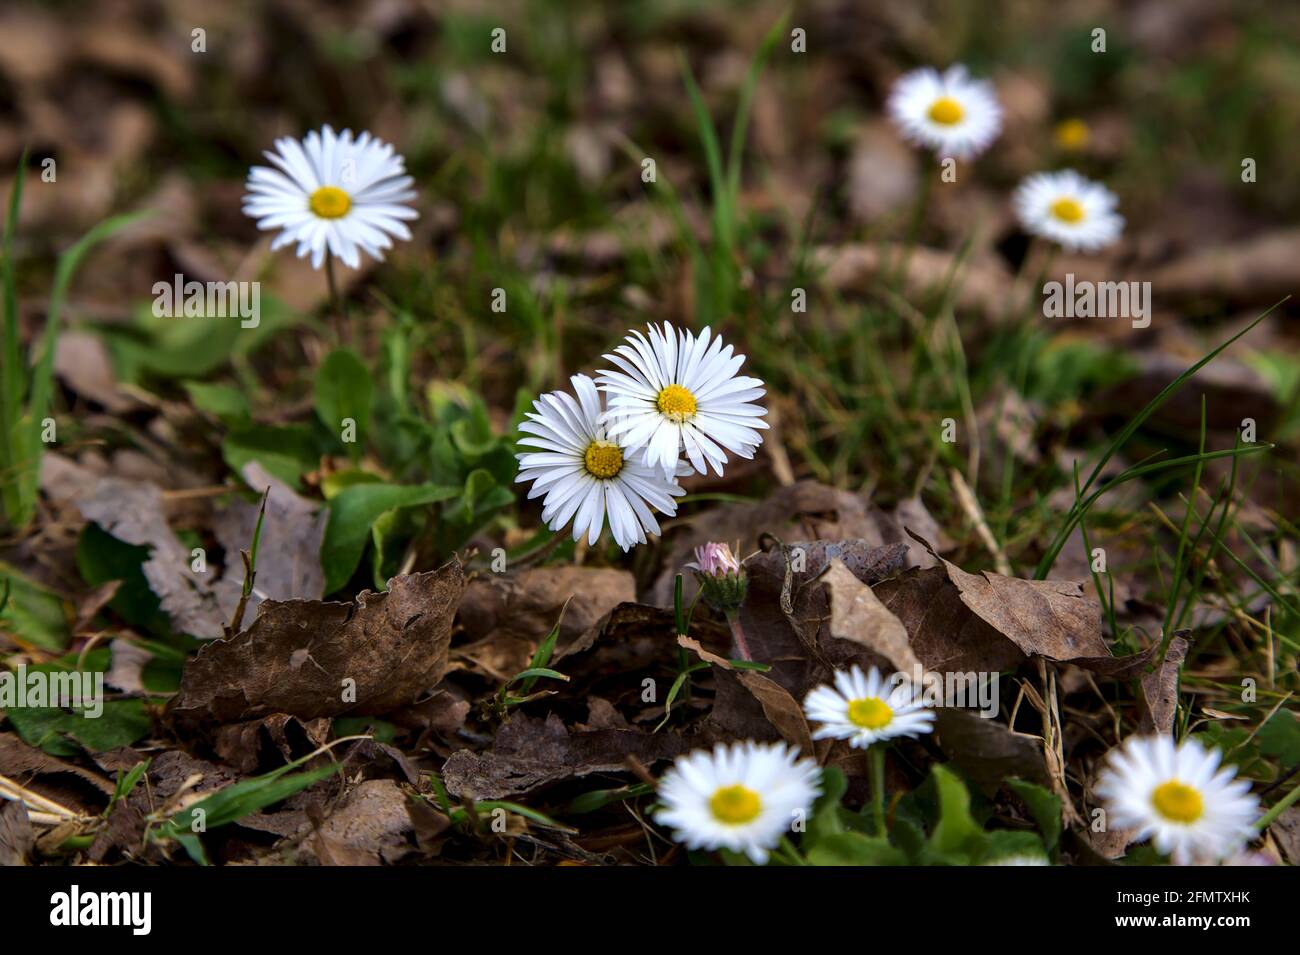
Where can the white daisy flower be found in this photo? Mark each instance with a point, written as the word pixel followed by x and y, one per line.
pixel 1068 209
pixel 585 475
pixel 332 193
pixel 867 708
pixel 948 112
pixel 678 391
pixel 1177 795
pixel 743 797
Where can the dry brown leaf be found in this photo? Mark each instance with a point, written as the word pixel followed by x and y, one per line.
pixel 168 772
pixel 858 615
pixel 987 751
pixel 296 655
pixel 944 633
pixel 781 709
pixel 531 753
pixel 16 836
pixel 126 666
pixel 508 615
pixel 82 362
pixel 803 512
pixel 288 551
pixel 1046 618
pixel 980 286
pixel 882 175
pixel 689 643
pixel 25 763
pixel 1286 833
pixel 132 511
pixel 1259 269
pixel 1232 391
pixel 273 739
pixel 1160 688
pixel 370 826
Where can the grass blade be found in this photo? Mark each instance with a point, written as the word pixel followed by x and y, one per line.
pixel 1058 542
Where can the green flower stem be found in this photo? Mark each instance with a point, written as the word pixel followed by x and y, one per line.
pixel 789 853
pixel 336 301
pixel 738 634
pixel 1270 817
pixel 876 767
pixel 683 628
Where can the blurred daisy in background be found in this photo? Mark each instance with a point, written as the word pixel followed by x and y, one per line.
pixel 1176 795
pixel 744 797
pixel 585 476
pixel 676 391
pixel 948 112
pixel 331 193
pixel 1071 135
pixel 866 708
pixel 1068 209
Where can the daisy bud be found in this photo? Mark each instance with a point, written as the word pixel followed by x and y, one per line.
pixel 722 579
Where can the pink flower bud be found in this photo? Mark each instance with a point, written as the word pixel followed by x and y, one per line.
pixel 715 560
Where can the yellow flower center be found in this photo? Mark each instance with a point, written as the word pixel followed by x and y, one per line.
pixel 1072 134
pixel 603 459
pixel 735 805
pixel 330 202
pixel 946 111
pixel 871 713
pixel 1067 210
pixel 676 402
pixel 1178 802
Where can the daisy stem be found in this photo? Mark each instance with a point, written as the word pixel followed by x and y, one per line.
pixel 876 768
pixel 336 302
pixel 790 853
pixel 1270 817
pixel 738 634
pixel 919 211
pixel 679 617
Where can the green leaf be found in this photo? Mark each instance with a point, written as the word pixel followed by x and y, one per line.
pixel 908 836
pixel 600 798
pixel 336 481
pixel 854 848
pixel 956 831
pixel 1044 806
pixel 237 800
pixel 344 391
pixel 532 673
pixel 126 782
pixel 480 495
pixel 54 730
pixel 1280 737
pixel 284 451
pixel 1080 507
pixel 22 438
pixel 189 348
pixel 101 557
pixel 225 402
pixel 36 615
pixel 13 377
pixel 825 819
pixel 352 512
pixel 381 730
pixel 542 656
pixel 1003 843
